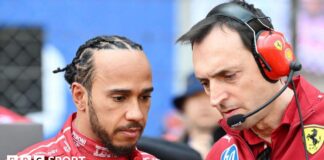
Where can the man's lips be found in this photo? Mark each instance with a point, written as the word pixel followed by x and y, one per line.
pixel 229 113
pixel 131 132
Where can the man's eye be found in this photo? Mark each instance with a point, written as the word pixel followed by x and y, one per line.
pixel 119 98
pixel 205 85
pixel 230 77
pixel 145 98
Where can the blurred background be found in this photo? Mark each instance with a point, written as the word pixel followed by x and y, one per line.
pixel 37 36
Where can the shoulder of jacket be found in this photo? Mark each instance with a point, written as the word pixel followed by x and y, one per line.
pixel 48 147
pixel 147 156
pixel 223 143
pixel 226 144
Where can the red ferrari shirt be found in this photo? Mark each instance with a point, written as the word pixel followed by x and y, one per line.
pixel 70 143
pixel 286 140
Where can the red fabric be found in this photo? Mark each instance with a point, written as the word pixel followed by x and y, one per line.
pixel 70 143
pixel 286 139
pixel 8 116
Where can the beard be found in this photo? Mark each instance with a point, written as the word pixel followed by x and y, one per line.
pixel 104 137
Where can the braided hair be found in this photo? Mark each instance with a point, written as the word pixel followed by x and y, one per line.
pixel 81 68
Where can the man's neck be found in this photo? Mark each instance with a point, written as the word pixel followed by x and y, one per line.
pixel 273 119
pixel 82 124
pixel 92 149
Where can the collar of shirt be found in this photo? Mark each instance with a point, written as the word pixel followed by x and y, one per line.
pixel 90 148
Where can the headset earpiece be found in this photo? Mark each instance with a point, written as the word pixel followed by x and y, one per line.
pixel 276 52
pixel 271 51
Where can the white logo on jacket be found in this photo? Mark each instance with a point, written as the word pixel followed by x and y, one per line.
pixel 230 153
pixel 227 137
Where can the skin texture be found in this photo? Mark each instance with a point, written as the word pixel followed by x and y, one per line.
pixel 115 112
pixel 231 78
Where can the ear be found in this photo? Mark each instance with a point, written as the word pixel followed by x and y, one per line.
pixel 79 95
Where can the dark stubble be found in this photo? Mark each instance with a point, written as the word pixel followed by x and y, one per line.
pixel 105 138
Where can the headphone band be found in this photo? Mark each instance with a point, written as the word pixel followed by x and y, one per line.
pixel 241 15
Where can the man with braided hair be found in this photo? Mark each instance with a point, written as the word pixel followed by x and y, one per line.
pixel 111 84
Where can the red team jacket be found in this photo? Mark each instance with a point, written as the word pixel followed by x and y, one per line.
pixel 286 139
pixel 70 143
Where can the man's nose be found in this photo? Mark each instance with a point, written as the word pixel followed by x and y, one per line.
pixel 134 112
pixel 217 94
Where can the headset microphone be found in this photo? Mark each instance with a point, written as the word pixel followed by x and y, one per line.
pixel 238 119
